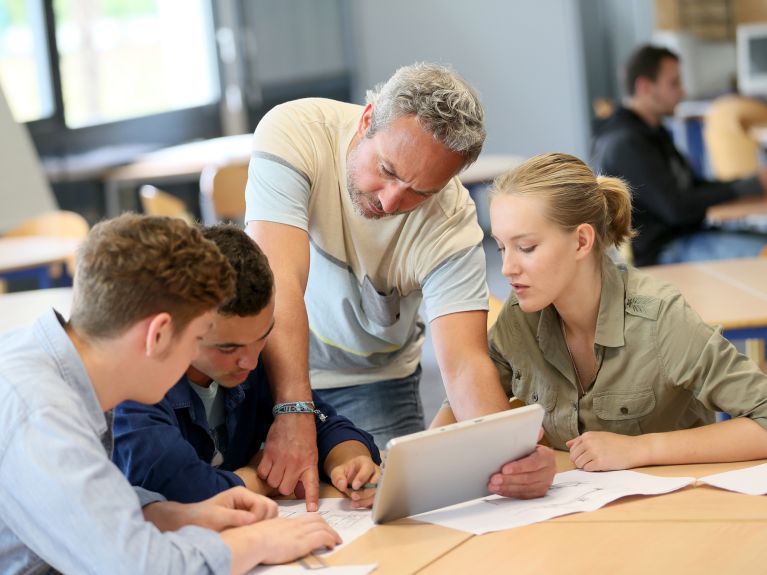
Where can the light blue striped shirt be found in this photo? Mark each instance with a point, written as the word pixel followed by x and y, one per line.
pixel 63 503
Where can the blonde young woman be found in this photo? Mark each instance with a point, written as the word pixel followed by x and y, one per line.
pixel 628 373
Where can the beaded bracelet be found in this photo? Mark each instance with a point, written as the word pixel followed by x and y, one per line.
pixel 298 407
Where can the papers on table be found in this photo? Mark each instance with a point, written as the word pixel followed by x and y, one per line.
pixel 571 492
pixel 348 522
pixel 751 481
pixel 299 570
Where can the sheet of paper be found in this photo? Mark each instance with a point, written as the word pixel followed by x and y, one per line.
pixel 298 570
pixel 751 480
pixel 348 522
pixel 571 492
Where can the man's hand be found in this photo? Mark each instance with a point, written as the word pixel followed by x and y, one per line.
pixel 278 540
pixel 762 173
pixel 525 478
pixel 605 451
pixel 234 507
pixel 249 476
pixel 351 469
pixel 290 456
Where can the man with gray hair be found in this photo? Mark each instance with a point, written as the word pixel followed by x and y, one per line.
pixel 369 196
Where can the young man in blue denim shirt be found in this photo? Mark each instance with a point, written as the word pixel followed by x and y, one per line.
pixel 143 296
pixel 206 434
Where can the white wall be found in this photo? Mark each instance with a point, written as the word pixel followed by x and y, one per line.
pixel 24 191
pixel 523 56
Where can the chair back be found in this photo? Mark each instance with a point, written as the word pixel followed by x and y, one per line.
pixel 155 202
pixel 222 193
pixel 731 149
pixel 60 223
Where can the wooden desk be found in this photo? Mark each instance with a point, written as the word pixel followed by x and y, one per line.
pixel 695 530
pixel 22 308
pixel 186 162
pixel 177 163
pixel 401 547
pixel 678 547
pixel 730 293
pixel 35 254
pixel 488 167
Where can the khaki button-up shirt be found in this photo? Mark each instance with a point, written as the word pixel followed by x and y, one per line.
pixel 659 366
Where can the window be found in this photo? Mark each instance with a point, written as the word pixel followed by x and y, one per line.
pixel 24 68
pixel 122 59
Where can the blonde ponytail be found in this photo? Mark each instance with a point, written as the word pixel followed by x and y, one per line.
pixel 617 209
pixel 574 195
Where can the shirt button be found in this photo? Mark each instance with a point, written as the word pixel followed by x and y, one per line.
pixel 624 410
pixel 535 397
pixel 575 406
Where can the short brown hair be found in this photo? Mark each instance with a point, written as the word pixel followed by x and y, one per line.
pixel 574 196
pixel 645 62
pixel 132 267
pixel 253 276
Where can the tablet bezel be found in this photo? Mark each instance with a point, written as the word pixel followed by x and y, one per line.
pixel 438 467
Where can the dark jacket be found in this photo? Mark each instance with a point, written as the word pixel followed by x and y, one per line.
pixel 168 447
pixel 669 199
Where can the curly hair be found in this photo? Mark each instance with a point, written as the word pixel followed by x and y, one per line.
pixel 254 279
pixel 442 102
pixel 132 267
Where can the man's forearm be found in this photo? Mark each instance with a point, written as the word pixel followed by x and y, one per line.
pixel 474 389
pixel 287 353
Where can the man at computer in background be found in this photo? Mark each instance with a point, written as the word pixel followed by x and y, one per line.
pixel 362 216
pixel 670 201
pixel 206 434
pixel 143 294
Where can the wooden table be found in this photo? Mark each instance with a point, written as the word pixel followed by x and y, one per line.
pixel 729 293
pixel 34 255
pixel 187 161
pixel 696 530
pixel 22 308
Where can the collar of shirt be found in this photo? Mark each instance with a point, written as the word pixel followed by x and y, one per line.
pixel 182 396
pixel 610 319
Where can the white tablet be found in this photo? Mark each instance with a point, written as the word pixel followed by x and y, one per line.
pixel 447 465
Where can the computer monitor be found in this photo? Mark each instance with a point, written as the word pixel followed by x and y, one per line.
pixel 752 59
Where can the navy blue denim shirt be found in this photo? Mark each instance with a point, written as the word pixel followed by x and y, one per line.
pixel 168 447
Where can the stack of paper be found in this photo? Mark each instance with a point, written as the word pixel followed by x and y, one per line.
pixel 571 492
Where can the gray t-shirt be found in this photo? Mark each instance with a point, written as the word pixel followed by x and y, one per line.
pixel 213 400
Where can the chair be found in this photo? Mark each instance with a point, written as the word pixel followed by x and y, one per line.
pixel 222 193
pixel 155 202
pixel 62 224
pixel 732 151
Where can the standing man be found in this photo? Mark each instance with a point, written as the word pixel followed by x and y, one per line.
pixel 670 202
pixel 369 196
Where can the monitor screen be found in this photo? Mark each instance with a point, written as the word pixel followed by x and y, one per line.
pixel 752 59
pixel 757 55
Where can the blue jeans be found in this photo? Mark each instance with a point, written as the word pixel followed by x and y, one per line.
pixel 385 409
pixel 712 245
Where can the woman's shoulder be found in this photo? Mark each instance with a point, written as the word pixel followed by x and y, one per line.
pixel 646 295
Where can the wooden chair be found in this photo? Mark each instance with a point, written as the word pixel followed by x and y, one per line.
pixel 222 193
pixel 60 223
pixel 155 202
pixel 731 149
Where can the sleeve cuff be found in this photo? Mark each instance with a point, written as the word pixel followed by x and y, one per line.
pixel 146 497
pixel 747 187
